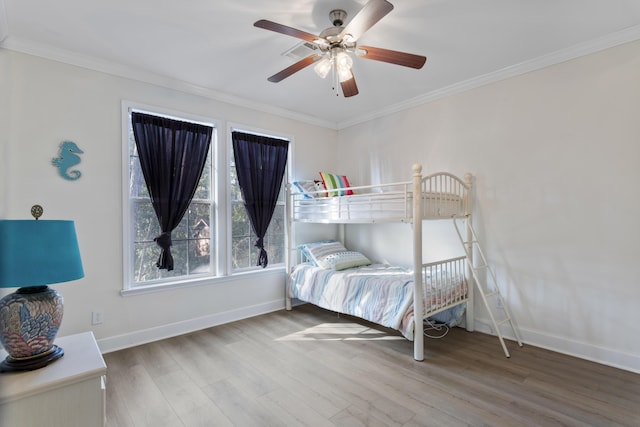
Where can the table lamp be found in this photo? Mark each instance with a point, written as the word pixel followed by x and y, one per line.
pixel 34 254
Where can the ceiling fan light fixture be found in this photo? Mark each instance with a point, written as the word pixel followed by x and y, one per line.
pixel 349 40
pixel 323 67
pixel 344 75
pixel 322 43
pixel 343 66
pixel 343 60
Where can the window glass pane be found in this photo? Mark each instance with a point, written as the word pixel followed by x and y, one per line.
pixel 146 224
pixel 253 253
pixel 274 241
pixel 137 185
pixel 242 237
pixel 234 187
pixel 146 255
pixel 203 190
pixel 199 219
pixel 241 252
pixel 240 221
pixel 276 227
pixel 201 251
pixel 133 150
pixel 200 260
pixel 179 250
pixel 282 194
pixel 182 230
pixel 245 254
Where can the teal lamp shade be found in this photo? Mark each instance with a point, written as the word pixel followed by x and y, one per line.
pixel 38 253
pixel 34 254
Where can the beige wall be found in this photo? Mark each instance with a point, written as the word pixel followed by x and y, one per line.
pixel 44 102
pixel 555 156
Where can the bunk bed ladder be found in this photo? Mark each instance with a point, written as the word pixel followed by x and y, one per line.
pixel 490 290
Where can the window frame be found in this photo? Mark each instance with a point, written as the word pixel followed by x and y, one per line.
pixel 237 127
pixel 221 205
pixel 128 284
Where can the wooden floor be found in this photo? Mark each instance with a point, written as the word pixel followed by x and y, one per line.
pixel 314 368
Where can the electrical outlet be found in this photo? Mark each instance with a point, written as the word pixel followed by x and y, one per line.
pixel 97 317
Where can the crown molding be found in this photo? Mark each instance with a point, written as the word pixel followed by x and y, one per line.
pixel 145 76
pixel 611 40
pixel 614 39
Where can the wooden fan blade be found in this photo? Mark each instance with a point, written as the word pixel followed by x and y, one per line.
pixel 305 62
pixel 393 57
pixel 368 16
pixel 283 29
pixel 349 87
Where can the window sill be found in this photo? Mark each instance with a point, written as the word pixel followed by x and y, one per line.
pixel 170 286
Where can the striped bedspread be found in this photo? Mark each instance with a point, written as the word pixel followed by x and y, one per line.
pixel 378 293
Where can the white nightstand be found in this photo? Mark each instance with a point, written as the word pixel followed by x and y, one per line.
pixel 69 392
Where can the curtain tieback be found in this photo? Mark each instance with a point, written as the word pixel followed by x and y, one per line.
pixel 263 259
pixel 259 243
pixel 164 240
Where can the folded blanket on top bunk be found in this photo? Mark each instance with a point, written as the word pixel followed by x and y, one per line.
pixel 378 293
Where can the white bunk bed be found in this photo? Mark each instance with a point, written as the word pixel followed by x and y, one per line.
pixel 442 285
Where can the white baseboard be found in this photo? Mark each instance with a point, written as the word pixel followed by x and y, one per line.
pixel 582 350
pixel 144 336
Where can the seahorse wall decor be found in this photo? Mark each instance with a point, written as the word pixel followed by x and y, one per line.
pixel 67 158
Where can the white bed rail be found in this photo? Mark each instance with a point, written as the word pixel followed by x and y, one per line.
pixel 389 202
pixel 444 285
pixel 442 195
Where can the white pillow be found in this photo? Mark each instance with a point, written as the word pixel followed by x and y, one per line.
pixel 344 260
pixel 332 255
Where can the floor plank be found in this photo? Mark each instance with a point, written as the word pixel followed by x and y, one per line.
pixel 311 367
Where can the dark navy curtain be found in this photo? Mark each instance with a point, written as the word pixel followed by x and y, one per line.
pixel 260 166
pixel 172 156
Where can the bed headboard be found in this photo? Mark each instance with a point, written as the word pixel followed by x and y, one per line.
pixel 445 195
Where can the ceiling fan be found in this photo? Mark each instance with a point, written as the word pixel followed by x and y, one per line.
pixel 336 45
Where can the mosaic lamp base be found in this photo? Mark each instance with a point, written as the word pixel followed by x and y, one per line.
pixel 29 321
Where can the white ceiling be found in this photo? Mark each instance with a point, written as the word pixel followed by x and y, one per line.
pixel 212 48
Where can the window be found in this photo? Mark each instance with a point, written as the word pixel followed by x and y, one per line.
pixel 201 249
pixel 192 248
pixel 244 253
